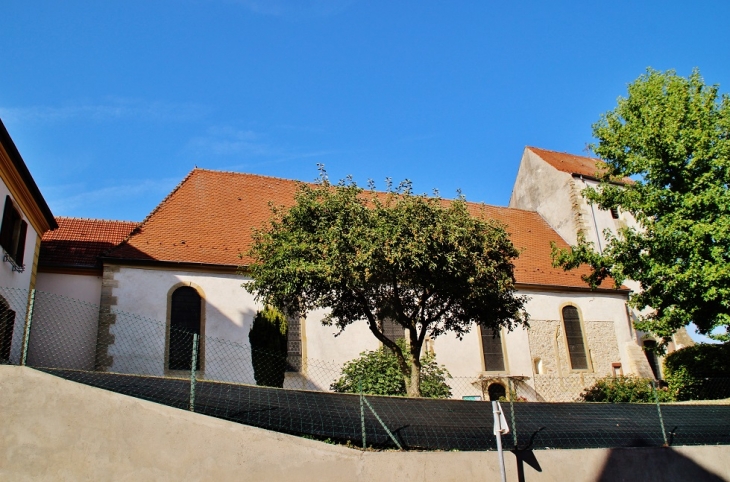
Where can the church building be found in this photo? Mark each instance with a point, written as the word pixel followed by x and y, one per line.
pixel 185 262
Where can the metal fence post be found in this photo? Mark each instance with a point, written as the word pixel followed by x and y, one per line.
pixel 192 372
pixel 362 417
pixel 26 330
pixel 512 396
pixel 659 411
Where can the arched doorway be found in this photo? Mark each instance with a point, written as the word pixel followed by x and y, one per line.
pixel 185 321
pixel 496 391
pixel 7 323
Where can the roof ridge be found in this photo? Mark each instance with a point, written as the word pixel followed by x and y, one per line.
pixel 563 152
pixel 265 176
pixel 78 218
pixel 475 203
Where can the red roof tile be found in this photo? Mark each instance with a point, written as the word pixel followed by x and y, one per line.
pixel 210 215
pixel 572 164
pixel 78 242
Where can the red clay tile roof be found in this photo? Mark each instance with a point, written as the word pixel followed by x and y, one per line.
pixel 78 242
pixel 572 164
pixel 208 218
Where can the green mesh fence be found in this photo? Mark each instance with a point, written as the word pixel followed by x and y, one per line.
pixel 217 376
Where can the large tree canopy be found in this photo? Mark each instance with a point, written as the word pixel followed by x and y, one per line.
pixel 425 263
pixel 672 136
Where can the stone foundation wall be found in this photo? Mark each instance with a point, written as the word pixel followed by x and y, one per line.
pixel 556 380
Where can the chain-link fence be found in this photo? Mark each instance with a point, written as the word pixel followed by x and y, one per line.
pixel 226 378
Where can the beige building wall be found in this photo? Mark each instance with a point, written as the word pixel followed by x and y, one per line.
pixel 551 193
pixel 54 429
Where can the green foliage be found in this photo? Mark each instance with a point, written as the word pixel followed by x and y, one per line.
pixel 672 136
pixel 624 390
pixel 378 373
pixel 269 347
pixel 699 372
pixel 427 264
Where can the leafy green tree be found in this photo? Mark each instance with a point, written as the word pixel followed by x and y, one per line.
pixel 378 373
pixel 671 135
pixel 269 347
pixel 424 263
pixel 699 372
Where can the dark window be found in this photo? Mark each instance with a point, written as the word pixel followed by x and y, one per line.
pixel 293 344
pixel 7 322
pixel 492 350
pixel 649 347
pixel 574 334
pixel 13 232
pixel 496 392
pixel 614 213
pixel 392 330
pixel 185 311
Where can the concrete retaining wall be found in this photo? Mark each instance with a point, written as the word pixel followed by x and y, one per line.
pixel 54 429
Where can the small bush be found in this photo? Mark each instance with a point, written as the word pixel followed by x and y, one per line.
pixel 379 373
pixel 269 347
pixel 624 390
pixel 699 372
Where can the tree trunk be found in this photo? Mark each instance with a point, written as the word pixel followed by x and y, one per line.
pixel 413 388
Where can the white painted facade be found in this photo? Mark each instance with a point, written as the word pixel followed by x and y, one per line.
pixel 8 277
pixel 142 300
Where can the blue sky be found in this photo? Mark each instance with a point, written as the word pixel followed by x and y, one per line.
pixel 111 103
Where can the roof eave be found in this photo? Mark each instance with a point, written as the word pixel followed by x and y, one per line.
pixel 172 264
pixel 564 288
pixel 27 178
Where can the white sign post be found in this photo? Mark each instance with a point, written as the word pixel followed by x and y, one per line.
pixel 500 427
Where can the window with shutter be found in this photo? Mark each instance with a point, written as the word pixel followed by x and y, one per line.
pixel 574 337
pixel 13 232
pixel 185 318
pixel 492 351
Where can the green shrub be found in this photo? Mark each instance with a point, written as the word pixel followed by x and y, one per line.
pixel 624 390
pixel 268 347
pixel 699 372
pixel 379 373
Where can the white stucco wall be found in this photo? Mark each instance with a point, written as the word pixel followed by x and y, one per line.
pixel 8 277
pixel 141 304
pixel 603 218
pixel 142 310
pixel 65 321
pixel 82 287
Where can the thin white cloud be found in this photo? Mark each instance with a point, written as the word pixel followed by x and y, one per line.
pixel 67 198
pixel 248 145
pixel 110 109
pixel 296 8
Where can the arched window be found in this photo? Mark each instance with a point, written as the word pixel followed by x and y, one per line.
pixel 574 337
pixel 7 322
pixel 185 317
pixel 492 352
